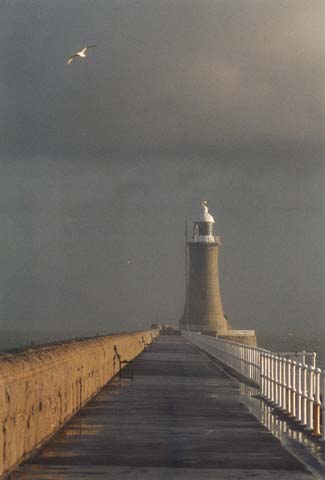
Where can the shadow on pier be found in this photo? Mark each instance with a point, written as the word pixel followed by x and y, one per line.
pixel 179 417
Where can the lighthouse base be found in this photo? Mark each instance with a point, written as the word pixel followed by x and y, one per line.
pixel 246 337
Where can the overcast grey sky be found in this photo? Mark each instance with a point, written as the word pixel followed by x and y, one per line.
pixel 103 160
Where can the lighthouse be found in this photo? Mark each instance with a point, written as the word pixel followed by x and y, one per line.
pixel 203 307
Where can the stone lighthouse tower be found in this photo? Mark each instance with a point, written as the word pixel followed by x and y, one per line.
pixel 203 308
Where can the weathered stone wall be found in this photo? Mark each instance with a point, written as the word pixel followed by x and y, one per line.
pixel 42 387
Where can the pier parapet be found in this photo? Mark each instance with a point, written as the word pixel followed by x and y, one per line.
pixel 41 388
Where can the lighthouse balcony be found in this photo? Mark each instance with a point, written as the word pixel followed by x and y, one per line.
pixel 206 239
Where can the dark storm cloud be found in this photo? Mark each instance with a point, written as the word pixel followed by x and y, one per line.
pixel 166 76
pixel 102 160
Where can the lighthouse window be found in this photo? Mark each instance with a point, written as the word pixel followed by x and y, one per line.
pixel 205 228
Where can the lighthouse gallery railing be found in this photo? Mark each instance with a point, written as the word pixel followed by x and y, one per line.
pixel 294 388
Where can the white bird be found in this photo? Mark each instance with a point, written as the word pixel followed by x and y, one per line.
pixel 81 54
pixel 130 261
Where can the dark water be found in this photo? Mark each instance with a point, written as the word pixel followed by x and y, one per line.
pixel 295 343
pixel 12 340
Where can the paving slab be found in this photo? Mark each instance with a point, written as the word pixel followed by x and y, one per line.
pixel 181 417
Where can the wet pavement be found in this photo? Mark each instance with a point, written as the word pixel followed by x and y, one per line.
pixel 181 417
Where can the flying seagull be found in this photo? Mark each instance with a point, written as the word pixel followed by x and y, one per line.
pixel 81 54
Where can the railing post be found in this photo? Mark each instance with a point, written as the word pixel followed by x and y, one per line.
pixel 271 378
pixel 253 359
pixel 280 384
pixel 314 354
pixel 244 348
pixel 294 390
pixel 317 404
pixel 310 399
pixel 284 384
pixel 323 405
pixel 258 364
pixel 304 395
pixel 303 359
pixel 267 376
pixel 299 392
pixel 289 409
pixel 262 374
pixel 242 363
pixel 265 373
pixel 276 380
pixel 244 367
pixel 250 362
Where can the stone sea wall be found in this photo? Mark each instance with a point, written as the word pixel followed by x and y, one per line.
pixel 41 388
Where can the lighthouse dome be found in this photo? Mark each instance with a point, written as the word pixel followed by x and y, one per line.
pixel 205 216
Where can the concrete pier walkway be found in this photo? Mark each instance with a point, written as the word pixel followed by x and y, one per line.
pixel 180 418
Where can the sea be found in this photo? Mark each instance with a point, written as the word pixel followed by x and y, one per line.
pixel 295 343
pixel 11 341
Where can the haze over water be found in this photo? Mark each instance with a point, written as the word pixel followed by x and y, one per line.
pixel 102 161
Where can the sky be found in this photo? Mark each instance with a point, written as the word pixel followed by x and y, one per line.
pixel 104 160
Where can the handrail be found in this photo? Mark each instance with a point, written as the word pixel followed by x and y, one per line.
pixel 296 389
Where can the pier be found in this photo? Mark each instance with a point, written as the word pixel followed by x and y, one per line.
pixel 175 415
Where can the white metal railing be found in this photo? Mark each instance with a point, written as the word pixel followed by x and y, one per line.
pixel 296 389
